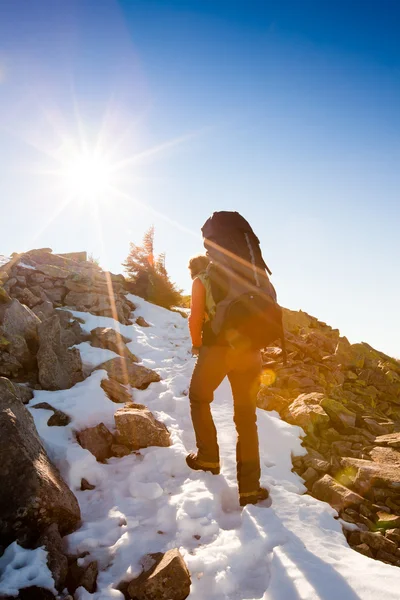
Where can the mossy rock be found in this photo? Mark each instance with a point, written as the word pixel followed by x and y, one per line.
pixel 339 414
pixel 4 297
pixel 3 342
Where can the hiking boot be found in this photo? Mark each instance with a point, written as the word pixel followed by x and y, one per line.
pixel 253 497
pixel 196 464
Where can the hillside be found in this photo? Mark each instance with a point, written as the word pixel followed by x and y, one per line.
pixel 138 497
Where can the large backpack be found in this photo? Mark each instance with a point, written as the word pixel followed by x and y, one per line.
pixel 246 311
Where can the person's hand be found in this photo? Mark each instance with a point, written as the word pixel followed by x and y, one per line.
pixel 195 350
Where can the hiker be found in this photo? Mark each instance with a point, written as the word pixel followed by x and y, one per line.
pixel 233 315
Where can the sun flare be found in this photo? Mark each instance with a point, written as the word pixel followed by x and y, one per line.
pixel 87 175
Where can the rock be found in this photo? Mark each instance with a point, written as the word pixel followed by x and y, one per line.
pixel 306 412
pixel 385 456
pixel 378 542
pixel 365 474
pixel 4 297
pixel 44 310
pixel 35 593
pixel 24 392
pixel 54 271
pixel 387 558
pixel 376 428
pixel 386 520
pixel 82 577
pixel 85 485
pixel 137 428
pixel 364 549
pixel 59 419
pixel 120 450
pixel 309 474
pixel 9 365
pixel 56 559
pixel 340 416
pixel 116 391
pixel 26 296
pixel 393 535
pixel 165 578
pixel 99 304
pixel 336 494
pixel 56 294
pixel 125 372
pixel 89 577
pixel 112 340
pixel 17 319
pixel 18 348
pixel 59 367
pixel 142 322
pixel 33 494
pixel 391 439
pixel 97 440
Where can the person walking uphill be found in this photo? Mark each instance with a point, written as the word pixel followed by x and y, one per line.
pixel 233 315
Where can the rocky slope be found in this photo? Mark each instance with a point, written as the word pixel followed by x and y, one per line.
pixel 346 397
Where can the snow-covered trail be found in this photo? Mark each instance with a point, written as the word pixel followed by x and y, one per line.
pixel 151 501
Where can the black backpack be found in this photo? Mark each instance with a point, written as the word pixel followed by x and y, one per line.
pixel 247 312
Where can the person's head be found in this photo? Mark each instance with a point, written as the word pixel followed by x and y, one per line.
pixel 197 264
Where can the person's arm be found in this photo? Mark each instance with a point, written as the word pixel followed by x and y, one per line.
pixel 197 312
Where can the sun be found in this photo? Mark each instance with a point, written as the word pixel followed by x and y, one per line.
pixel 87 175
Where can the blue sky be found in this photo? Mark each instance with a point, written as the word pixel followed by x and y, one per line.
pixel 287 111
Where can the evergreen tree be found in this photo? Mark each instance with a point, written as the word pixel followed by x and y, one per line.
pixel 148 276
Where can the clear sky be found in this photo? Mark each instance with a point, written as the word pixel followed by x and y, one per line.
pixel 285 110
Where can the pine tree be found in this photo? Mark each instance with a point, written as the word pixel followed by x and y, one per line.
pixel 148 276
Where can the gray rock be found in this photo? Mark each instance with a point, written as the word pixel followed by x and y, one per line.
pixel 97 440
pixel 9 365
pixel 137 428
pixel 165 577
pixel 56 294
pixel 126 372
pixel 59 367
pixel 56 559
pixel 17 319
pixel 44 310
pixel 24 392
pixel 106 337
pixel 33 494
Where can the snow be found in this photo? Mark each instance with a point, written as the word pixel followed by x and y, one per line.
pixel 20 568
pixel 150 501
pixel 4 260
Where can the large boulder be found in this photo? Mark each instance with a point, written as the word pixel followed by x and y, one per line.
pixel 365 474
pixel 60 367
pixel 33 494
pixel 56 559
pixel 165 577
pixel 126 372
pixel 337 495
pixel 307 413
pixel 17 319
pixel 106 337
pixel 340 416
pixel 137 428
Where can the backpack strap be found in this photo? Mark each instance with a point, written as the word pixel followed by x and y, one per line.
pixel 210 303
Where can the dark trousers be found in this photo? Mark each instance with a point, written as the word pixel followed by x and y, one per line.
pixel 243 370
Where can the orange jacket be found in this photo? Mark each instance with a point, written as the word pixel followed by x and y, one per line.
pixel 197 312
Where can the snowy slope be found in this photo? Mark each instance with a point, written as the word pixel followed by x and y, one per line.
pixel 151 501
